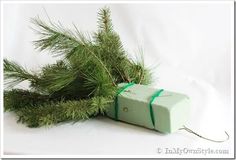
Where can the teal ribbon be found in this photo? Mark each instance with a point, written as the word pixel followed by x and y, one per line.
pixel 116 99
pixel 154 96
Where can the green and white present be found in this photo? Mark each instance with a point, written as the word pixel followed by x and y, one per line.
pixel 141 105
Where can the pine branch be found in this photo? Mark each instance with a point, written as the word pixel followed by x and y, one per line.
pixel 104 20
pixel 54 113
pixel 56 38
pixel 86 46
pixel 54 77
pixel 18 98
pixel 63 41
pixel 15 74
pixel 79 86
pixel 111 50
pixel 99 83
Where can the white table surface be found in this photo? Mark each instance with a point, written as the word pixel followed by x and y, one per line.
pixel 210 116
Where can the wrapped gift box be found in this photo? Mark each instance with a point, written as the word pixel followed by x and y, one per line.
pixel 162 110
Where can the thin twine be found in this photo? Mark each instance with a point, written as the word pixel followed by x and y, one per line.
pixel 212 140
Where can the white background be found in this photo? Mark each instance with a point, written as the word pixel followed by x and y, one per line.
pixel 191 44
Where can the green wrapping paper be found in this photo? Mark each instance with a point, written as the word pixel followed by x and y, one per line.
pixel 156 109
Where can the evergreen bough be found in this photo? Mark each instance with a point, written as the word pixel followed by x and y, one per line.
pixel 82 84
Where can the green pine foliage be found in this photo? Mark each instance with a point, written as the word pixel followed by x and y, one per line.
pixel 82 84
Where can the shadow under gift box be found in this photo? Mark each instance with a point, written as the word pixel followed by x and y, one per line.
pixel 170 109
